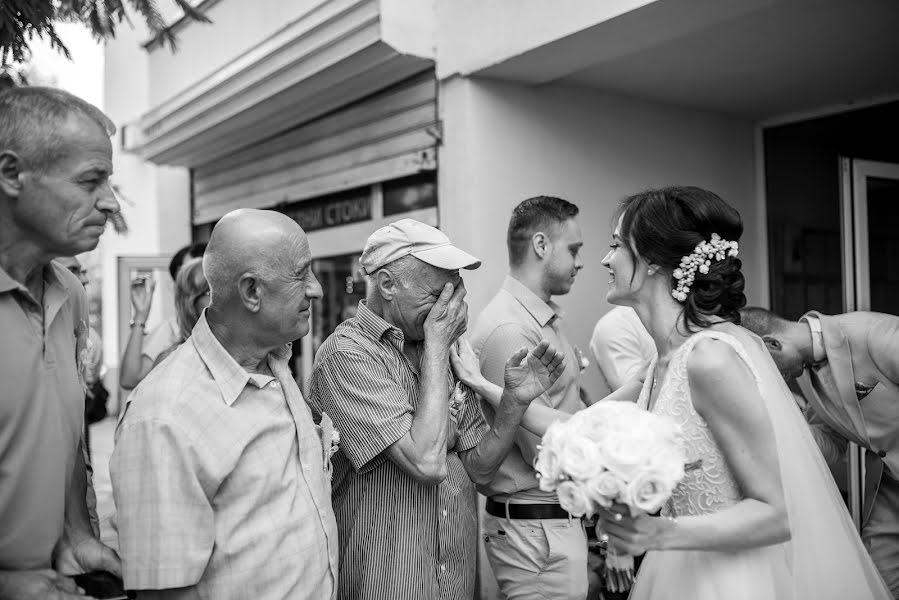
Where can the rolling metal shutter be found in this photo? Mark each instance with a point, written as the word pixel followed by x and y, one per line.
pixel 391 134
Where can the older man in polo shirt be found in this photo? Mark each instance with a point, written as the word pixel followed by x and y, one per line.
pixel 219 474
pixel 534 548
pixel 411 441
pixel 55 200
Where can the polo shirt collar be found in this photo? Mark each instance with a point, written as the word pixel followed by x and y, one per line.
pixel 7 283
pixel 375 325
pixel 230 377
pixel 543 312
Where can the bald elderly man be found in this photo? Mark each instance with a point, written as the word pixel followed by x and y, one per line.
pixel 219 473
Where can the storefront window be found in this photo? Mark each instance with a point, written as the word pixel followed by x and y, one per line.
pixel 410 193
pixel 343 286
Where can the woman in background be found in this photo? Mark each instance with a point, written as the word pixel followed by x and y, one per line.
pixel 191 297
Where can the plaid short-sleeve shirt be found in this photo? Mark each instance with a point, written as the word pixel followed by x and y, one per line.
pixel 220 481
pixel 399 539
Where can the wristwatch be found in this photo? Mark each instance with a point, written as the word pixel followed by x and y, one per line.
pixel 143 325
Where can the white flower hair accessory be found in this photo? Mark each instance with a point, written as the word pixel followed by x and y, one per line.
pixel 700 260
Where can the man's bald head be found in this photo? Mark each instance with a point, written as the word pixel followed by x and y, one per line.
pixel 265 243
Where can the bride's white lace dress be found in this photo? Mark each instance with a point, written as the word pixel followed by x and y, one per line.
pixel 790 571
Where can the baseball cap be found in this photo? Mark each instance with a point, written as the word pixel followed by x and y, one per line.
pixel 410 237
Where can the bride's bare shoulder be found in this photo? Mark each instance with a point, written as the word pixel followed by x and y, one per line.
pixel 715 368
pixel 713 360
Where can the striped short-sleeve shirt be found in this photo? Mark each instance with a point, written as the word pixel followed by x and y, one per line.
pixel 398 539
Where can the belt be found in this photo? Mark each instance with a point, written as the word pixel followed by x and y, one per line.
pixel 526 511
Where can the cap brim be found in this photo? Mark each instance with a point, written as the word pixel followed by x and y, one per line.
pixel 448 257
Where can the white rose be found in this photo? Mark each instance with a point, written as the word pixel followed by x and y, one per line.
pixel 605 488
pixel 669 464
pixel 579 457
pixel 648 491
pixel 548 469
pixel 593 428
pixel 554 434
pixel 625 453
pixel 573 499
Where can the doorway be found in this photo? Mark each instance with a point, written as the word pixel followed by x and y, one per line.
pixel 870 209
pixel 832 196
pixel 162 309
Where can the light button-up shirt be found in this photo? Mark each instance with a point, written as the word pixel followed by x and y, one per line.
pixel 516 317
pixel 221 482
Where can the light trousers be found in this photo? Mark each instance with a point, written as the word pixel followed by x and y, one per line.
pixel 537 559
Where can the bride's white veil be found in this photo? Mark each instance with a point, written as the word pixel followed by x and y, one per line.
pixel 828 559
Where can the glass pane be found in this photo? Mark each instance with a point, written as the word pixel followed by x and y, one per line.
pixel 883 214
pixel 343 286
pixel 410 193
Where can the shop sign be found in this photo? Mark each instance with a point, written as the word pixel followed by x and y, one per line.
pixel 331 212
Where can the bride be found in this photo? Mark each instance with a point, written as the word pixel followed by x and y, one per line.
pixel 761 516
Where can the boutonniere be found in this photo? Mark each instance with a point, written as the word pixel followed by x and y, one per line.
pixel 335 443
pixel 330 437
pixel 457 398
pixel 582 361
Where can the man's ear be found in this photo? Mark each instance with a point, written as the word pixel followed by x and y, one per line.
pixel 540 244
pixel 772 343
pixel 11 168
pixel 386 283
pixel 249 291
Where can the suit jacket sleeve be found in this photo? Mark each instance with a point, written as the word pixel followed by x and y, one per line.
pixel 883 346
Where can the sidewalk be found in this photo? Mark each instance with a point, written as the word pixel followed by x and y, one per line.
pixel 102 440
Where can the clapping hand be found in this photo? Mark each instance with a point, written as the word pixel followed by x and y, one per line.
pixel 529 374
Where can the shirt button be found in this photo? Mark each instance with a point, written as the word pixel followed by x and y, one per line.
pixel 881 453
pixel 273 384
pixel 443 567
pixel 444 512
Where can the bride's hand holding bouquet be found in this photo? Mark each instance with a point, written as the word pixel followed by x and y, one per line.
pixel 621 462
pixel 635 534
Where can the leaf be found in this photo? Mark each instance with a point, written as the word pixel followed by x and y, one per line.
pixel 21 20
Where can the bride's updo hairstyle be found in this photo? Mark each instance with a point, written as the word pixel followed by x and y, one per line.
pixel 665 225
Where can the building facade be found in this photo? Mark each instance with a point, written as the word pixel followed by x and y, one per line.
pixel 347 114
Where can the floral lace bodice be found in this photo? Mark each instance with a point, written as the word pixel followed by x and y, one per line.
pixel 708 486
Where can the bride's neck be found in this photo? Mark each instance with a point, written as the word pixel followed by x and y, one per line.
pixel 663 319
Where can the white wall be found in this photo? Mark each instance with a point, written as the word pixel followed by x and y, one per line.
pixel 237 26
pixel 506 142
pixel 155 201
pixel 473 34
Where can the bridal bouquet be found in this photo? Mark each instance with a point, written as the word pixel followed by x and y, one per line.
pixel 614 452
